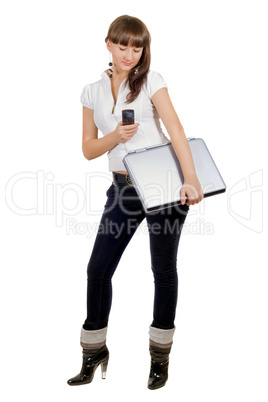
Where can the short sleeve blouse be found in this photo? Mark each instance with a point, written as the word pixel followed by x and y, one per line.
pixel 98 97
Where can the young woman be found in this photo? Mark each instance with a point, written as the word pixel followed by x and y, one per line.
pixel 129 83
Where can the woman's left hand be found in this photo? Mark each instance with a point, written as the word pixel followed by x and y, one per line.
pixel 191 191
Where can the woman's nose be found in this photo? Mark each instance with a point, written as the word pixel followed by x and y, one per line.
pixel 129 54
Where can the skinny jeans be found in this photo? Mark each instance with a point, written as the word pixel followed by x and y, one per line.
pixel 123 213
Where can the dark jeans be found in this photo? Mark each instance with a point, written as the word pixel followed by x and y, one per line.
pixel 122 215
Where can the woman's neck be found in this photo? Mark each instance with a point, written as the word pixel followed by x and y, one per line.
pixel 119 75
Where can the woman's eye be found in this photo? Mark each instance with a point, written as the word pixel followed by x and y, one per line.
pixel 122 49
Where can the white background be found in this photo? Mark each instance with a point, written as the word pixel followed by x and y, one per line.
pixel 213 55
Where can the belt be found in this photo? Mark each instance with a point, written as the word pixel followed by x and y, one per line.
pixel 121 179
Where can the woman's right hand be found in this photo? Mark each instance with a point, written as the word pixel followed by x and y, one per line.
pixel 125 133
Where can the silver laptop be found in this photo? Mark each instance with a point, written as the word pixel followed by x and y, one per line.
pixel 157 177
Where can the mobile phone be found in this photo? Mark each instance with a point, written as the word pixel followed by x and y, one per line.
pixel 127 116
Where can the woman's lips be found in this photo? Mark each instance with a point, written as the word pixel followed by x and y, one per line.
pixel 127 64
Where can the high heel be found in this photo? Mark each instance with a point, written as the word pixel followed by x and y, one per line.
pixel 91 361
pixel 104 368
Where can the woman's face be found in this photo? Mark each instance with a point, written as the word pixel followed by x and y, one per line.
pixel 124 57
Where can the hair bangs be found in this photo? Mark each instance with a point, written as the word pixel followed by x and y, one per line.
pixel 131 40
pixel 129 31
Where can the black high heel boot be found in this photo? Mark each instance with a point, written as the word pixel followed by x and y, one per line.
pixel 91 360
pixel 159 367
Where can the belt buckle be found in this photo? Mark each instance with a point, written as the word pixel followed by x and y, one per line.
pixel 128 180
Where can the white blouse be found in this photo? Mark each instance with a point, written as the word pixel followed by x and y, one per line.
pixel 98 96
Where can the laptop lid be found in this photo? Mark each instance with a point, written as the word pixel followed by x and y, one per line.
pixel 157 177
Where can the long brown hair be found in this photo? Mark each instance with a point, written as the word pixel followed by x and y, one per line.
pixel 131 31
